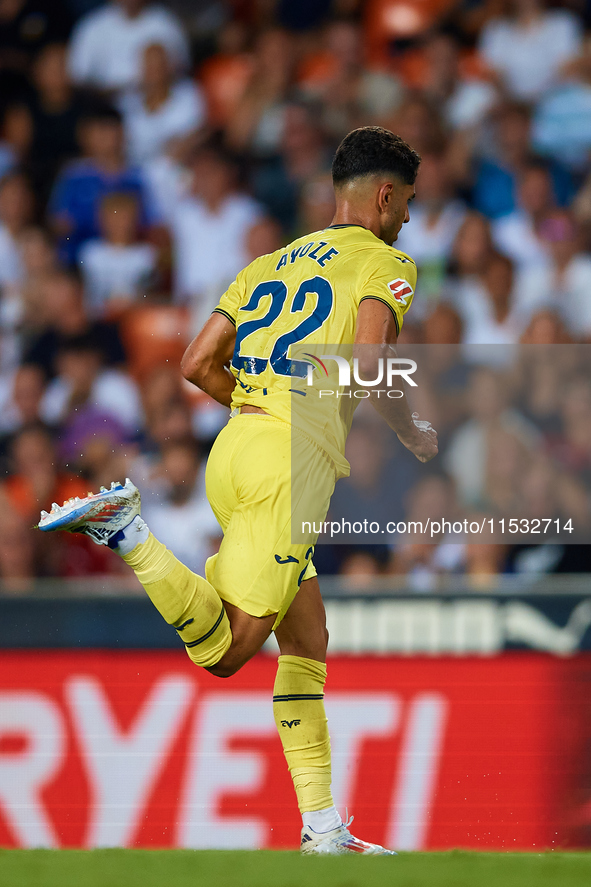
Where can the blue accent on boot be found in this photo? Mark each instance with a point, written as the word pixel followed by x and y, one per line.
pixel 116 539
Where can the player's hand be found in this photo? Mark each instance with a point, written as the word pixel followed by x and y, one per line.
pixel 423 443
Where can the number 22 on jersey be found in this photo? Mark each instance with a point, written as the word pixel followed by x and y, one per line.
pixel 278 359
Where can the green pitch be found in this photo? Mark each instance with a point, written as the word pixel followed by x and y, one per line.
pixel 185 868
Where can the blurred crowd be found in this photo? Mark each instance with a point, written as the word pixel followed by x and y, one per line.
pixel 148 151
pixel 514 429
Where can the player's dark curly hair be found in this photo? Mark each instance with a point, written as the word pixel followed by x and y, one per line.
pixel 372 149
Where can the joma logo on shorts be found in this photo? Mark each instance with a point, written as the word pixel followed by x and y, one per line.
pixel 290 724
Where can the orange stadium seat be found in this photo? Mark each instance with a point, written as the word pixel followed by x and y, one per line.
pixel 224 79
pixel 316 69
pixel 412 67
pixel 387 20
pixel 154 335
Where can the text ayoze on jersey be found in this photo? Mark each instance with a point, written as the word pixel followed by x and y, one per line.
pixel 314 250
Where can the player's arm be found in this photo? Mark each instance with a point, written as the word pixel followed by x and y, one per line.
pixel 375 337
pixel 205 362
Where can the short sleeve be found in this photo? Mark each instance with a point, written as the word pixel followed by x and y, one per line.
pixel 391 279
pixel 232 299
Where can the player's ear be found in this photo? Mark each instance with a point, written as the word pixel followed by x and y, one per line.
pixel 385 196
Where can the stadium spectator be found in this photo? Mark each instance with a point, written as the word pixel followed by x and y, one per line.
pixel 94 443
pixel 26 26
pixel 467 456
pixel 18 564
pixel 20 398
pixel 471 252
pixel 494 191
pixel 162 108
pixel 316 205
pixel 277 183
pixel 35 480
pixel 419 122
pixel 361 564
pixel 107 43
pixel 516 233
pixel 180 511
pixel 118 268
pixel 55 110
pixel 76 197
pixel 349 93
pixel 21 311
pixel 168 176
pixel 421 560
pixel 16 211
pixel 9 152
pixel 15 137
pixel 545 328
pixel 82 382
pixel 562 118
pixel 257 123
pixel 209 229
pixel 443 326
pixel 528 46
pixel 170 423
pixel 373 491
pixel 262 238
pixel 63 318
pixel 436 218
pixel 489 314
pixel 463 101
pixel 37 252
pixel 563 283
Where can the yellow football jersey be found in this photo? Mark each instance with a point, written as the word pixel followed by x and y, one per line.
pixel 308 294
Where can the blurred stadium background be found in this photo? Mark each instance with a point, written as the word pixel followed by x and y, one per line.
pixel 208 127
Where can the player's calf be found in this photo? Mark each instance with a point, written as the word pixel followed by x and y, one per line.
pixel 249 633
pixel 186 601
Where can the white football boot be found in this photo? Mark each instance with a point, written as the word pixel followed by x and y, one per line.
pixel 339 840
pixel 102 516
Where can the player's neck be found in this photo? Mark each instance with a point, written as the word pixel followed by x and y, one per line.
pixel 346 214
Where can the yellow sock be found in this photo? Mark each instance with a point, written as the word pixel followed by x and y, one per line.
pixel 185 600
pixel 298 706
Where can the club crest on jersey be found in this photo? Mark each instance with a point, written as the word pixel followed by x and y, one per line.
pixel 400 289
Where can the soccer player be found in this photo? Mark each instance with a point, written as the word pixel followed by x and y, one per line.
pixel 345 285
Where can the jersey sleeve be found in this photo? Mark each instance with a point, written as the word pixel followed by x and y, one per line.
pixel 391 279
pixel 233 298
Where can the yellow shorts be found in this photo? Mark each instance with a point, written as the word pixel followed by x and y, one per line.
pixel 249 486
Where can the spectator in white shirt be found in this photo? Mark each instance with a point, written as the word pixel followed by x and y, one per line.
pixel 490 316
pixel 528 47
pixel 83 382
pixel 117 268
pixel 471 252
pixel 562 284
pixel 435 219
pixel 107 43
pixel 179 511
pixel 161 109
pixel 515 234
pixel 16 209
pixel 210 229
pixel 464 101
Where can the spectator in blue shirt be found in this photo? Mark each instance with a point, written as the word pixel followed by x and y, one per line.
pixel 81 187
pixel 494 192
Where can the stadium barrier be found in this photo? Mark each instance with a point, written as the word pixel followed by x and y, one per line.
pixel 473 745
